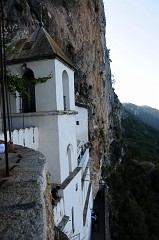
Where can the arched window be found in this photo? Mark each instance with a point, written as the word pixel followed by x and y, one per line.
pixel 65 84
pixel 28 103
pixel 69 154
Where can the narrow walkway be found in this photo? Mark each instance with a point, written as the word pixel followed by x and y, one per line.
pixel 99 204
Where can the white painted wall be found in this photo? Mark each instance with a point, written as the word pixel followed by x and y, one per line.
pixel 45 93
pixel 73 199
pixel 78 198
pixel 77 203
pixel 48 138
pixel 56 133
pixel 59 211
pixel 82 128
pixel 67 138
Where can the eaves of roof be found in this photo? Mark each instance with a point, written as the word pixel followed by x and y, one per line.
pixel 38 46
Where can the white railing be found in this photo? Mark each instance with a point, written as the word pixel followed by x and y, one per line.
pixel 28 137
pixel 75 237
pixel 79 147
pixel 84 160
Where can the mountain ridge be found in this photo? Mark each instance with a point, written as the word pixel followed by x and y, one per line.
pixel 145 113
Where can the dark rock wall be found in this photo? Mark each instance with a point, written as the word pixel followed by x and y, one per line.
pixel 78 27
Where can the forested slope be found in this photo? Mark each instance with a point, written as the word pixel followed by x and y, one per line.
pixel 134 186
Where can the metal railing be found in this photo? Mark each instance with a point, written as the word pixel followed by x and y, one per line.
pixel 75 237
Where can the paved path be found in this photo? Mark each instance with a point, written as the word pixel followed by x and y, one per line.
pixel 99 204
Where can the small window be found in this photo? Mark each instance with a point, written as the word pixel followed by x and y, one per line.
pixel 76 186
pixel 64 102
pixel 28 45
pixel 77 122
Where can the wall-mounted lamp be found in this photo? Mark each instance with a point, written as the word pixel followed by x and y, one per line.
pixel 69 146
pixel 24 66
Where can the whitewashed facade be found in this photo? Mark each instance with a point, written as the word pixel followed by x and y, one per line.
pixel 62 137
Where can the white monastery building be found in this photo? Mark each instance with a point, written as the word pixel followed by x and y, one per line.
pixel 50 122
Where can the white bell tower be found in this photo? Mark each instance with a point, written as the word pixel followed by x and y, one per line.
pixel 54 101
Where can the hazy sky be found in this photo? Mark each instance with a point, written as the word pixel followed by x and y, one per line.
pixel 132 35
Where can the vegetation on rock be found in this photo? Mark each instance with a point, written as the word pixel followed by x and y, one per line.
pixel 16 83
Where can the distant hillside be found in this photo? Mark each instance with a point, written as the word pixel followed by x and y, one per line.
pixel 147 114
pixel 142 140
pixel 134 186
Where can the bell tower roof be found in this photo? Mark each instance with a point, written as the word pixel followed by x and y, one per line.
pixel 39 45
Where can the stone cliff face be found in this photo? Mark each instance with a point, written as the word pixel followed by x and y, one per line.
pixel 78 27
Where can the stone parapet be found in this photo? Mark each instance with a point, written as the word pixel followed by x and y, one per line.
pixel 25 197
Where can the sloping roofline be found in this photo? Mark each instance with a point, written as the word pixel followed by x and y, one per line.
pixel 38 46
